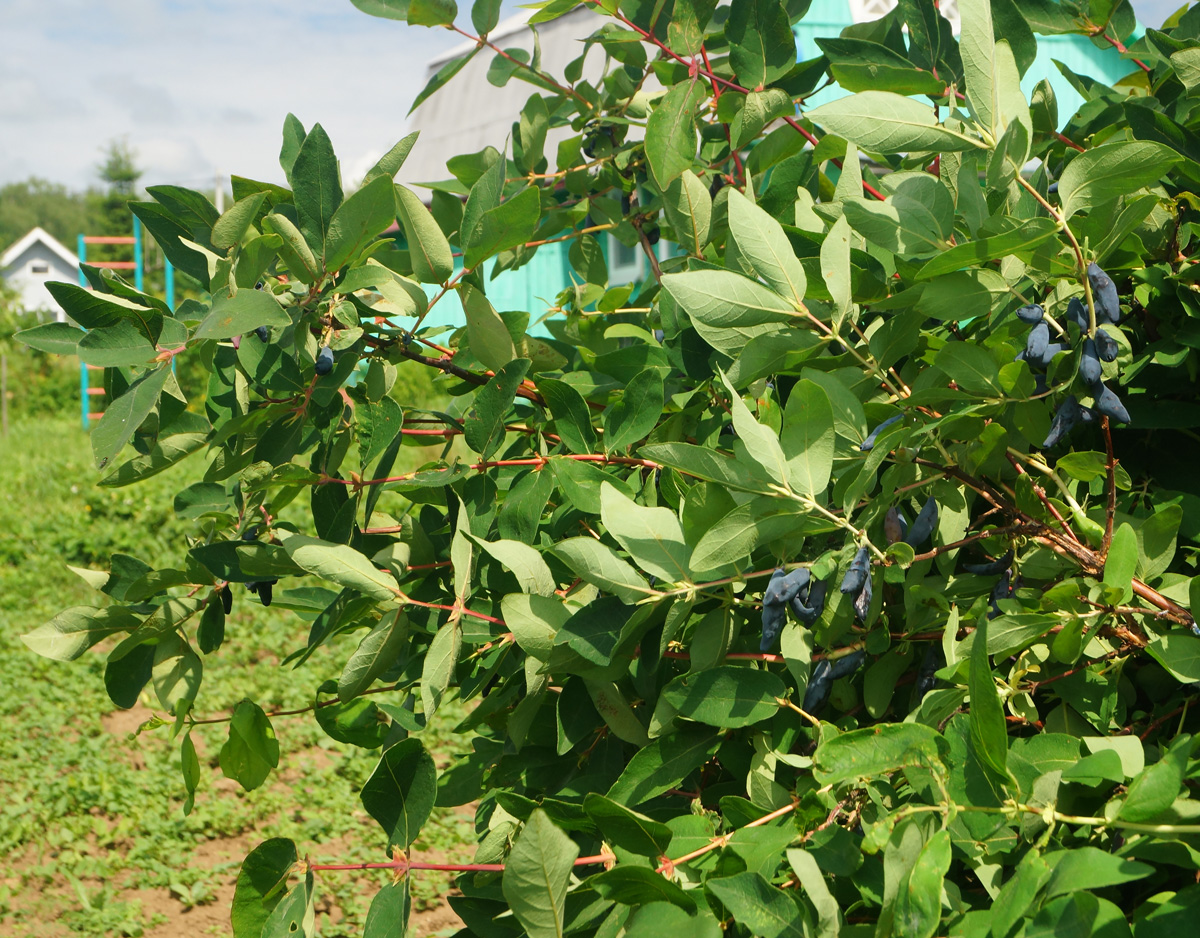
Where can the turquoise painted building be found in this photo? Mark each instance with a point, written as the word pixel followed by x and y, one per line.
pixel 534 286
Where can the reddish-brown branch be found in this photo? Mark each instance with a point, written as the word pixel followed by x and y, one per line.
pixel 1102 32
pixel 1041 494
pixel 1068 141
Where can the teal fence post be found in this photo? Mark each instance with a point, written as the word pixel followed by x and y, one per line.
pixel 81 251
pixel 169 283
pixel 138 277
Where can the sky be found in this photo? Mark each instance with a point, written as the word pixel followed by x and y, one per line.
pixel 201 87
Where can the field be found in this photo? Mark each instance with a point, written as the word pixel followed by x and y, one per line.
pixel 92 831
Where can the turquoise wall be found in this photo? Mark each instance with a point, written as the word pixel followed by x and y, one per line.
pixel 828 17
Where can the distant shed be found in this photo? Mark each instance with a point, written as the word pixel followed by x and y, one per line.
pixel 31 262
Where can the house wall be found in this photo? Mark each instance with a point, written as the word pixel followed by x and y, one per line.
pixel 32 285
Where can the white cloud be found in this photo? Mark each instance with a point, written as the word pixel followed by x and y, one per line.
pixel 199 87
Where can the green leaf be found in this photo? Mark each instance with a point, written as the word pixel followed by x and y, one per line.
pixel 377 652
pixel 638 886
pixel 918 909
pixel 483 430
pixel 94 310
pixel 243 312
pixel 341 564
pixel 1157 786
pixel 1121 562
pixel 534 621
pixel 124 415
pixel 251 750
pixel 390 163
pixel 233 225
pixel 289 917
pixel 805 866
pixel 808 438
pixel 389 912
pixel 1156 541
pixel 862 65
pixel 703 463
pixel 536 876
pixel 990 70
pixel 758 906
pixel 57 338
pixel 260 885
pixel 889 123
pixel 761 46
pixel 432 259
pixel 572 417
pixel 387 9
pixel 652 536
pixel 971 367
pixel 400 792
pixel 835 268
pixel 989 734
pixel 163 455
pixel 443 76
pixel 73 631
pixel 723 298
pixel 876 750
pixel 525 562
pixel 489 338
pixel 671 132
pixel 765 250
pixel 626 828
pixel 440 663
pixel 359 219
pixel 1115 169
pixel 762 444
pixel 1084 867
pixel 612 705
pixel 666 762
pixel 689 210
pixel 599 564
pixel 431 12
pixel 485 14
pixel 357 723
pixel 316 187
pixel 636 413
pixel 1178 652
pixel 726 696
pixel 294 251
pixel 1019 240
pixel 506 226
pixel 114 346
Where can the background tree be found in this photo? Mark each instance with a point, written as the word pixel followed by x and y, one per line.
pixel 835 579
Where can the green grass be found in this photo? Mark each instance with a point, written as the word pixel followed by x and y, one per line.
pixel 91 821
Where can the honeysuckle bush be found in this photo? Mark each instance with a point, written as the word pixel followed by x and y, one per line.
pixel 834 579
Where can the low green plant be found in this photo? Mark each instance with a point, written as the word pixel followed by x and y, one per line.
pixel 984 731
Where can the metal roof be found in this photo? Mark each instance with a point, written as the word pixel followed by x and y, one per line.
pixel 471 113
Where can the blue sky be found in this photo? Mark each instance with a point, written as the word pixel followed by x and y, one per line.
pixel 200 87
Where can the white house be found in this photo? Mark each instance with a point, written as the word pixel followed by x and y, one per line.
pixel 33 260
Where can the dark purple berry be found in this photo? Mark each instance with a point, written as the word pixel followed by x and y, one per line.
pixel 1089 363
pixel 1032 314
pixel 1104 295
pixel 325 361
pixel 1106 346
pixel 1108 404
pixel 1065 418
